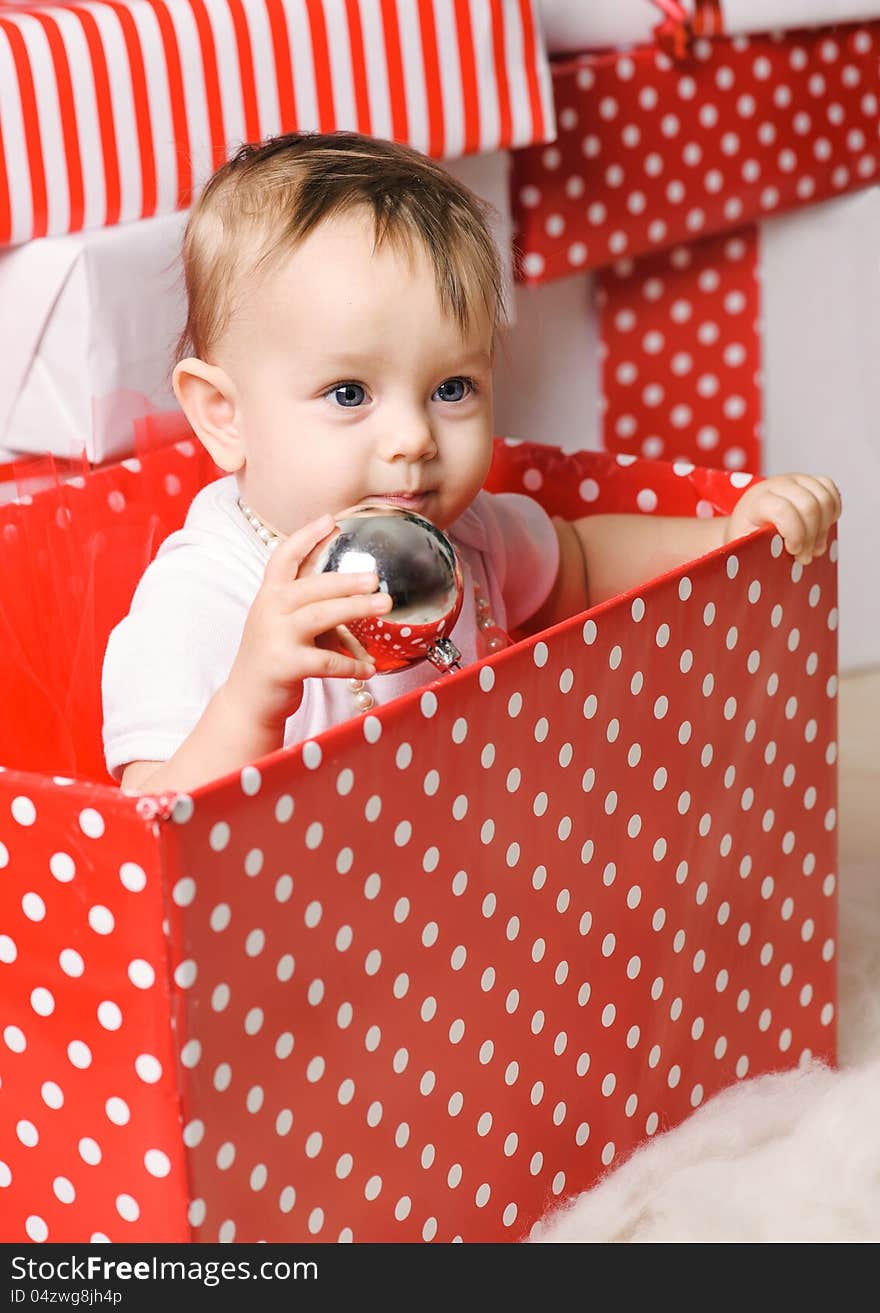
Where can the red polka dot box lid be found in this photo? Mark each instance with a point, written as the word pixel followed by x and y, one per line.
pixel 651 151
pixel 433 971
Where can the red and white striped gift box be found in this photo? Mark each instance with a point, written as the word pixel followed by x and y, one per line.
pixel 118 109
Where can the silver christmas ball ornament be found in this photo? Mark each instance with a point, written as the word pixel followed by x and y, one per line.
pixel 417 566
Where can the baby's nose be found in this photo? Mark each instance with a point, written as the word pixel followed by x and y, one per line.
pixel 408 435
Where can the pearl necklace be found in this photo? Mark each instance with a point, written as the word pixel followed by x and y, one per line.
pixel 267 536
pixel 490 637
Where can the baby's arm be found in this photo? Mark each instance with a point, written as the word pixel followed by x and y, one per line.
pixel 245 718
pixel 602 556
pixel 224 740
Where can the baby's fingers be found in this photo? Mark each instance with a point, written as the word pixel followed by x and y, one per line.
pixel 291 552
pixel 321 662
pixel 828 499
pixel 295 594
pixel 316 617
pixel 833 491
pixel 818 500
pixel 789 521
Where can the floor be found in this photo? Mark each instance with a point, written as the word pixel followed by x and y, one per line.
pixel 859 729
pixel 859 864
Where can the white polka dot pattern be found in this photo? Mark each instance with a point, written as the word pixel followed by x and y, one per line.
pixel 681 353
pixel 651 153
pixel 473 965
pixel 88 1060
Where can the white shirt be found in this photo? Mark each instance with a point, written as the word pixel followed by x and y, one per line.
pixel 176 646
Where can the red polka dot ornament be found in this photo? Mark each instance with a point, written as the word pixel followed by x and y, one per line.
pixel 417 566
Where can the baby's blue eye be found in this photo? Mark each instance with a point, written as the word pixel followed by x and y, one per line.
pixel 349 395
pixel 458 386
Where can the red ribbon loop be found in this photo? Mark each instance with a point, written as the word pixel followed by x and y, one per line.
pixel 676 32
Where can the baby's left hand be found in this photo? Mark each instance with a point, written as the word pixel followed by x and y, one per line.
pixel 802 507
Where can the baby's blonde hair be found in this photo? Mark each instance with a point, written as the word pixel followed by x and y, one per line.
pixel 270 195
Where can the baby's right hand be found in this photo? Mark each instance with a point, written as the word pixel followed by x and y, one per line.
pixel 278 650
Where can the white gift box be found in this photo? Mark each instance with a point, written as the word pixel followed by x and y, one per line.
pixel 88 324
pixel 575 25
pixel 820 381
pixel 768 15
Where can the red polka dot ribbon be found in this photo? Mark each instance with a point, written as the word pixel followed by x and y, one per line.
pixel 681 353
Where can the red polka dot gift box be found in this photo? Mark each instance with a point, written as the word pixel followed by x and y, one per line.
pixel 664 179
pixel 429 973
pixel 651 151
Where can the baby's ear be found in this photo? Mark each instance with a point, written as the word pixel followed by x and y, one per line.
pixel 208 399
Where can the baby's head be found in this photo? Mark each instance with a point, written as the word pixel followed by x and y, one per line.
pixel 344 295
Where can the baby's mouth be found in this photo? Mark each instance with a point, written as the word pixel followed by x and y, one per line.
pixel 412 501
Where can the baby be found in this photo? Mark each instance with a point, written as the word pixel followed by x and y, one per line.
pixel 344 303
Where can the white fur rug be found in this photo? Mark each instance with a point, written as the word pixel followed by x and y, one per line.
pixel 793 1157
